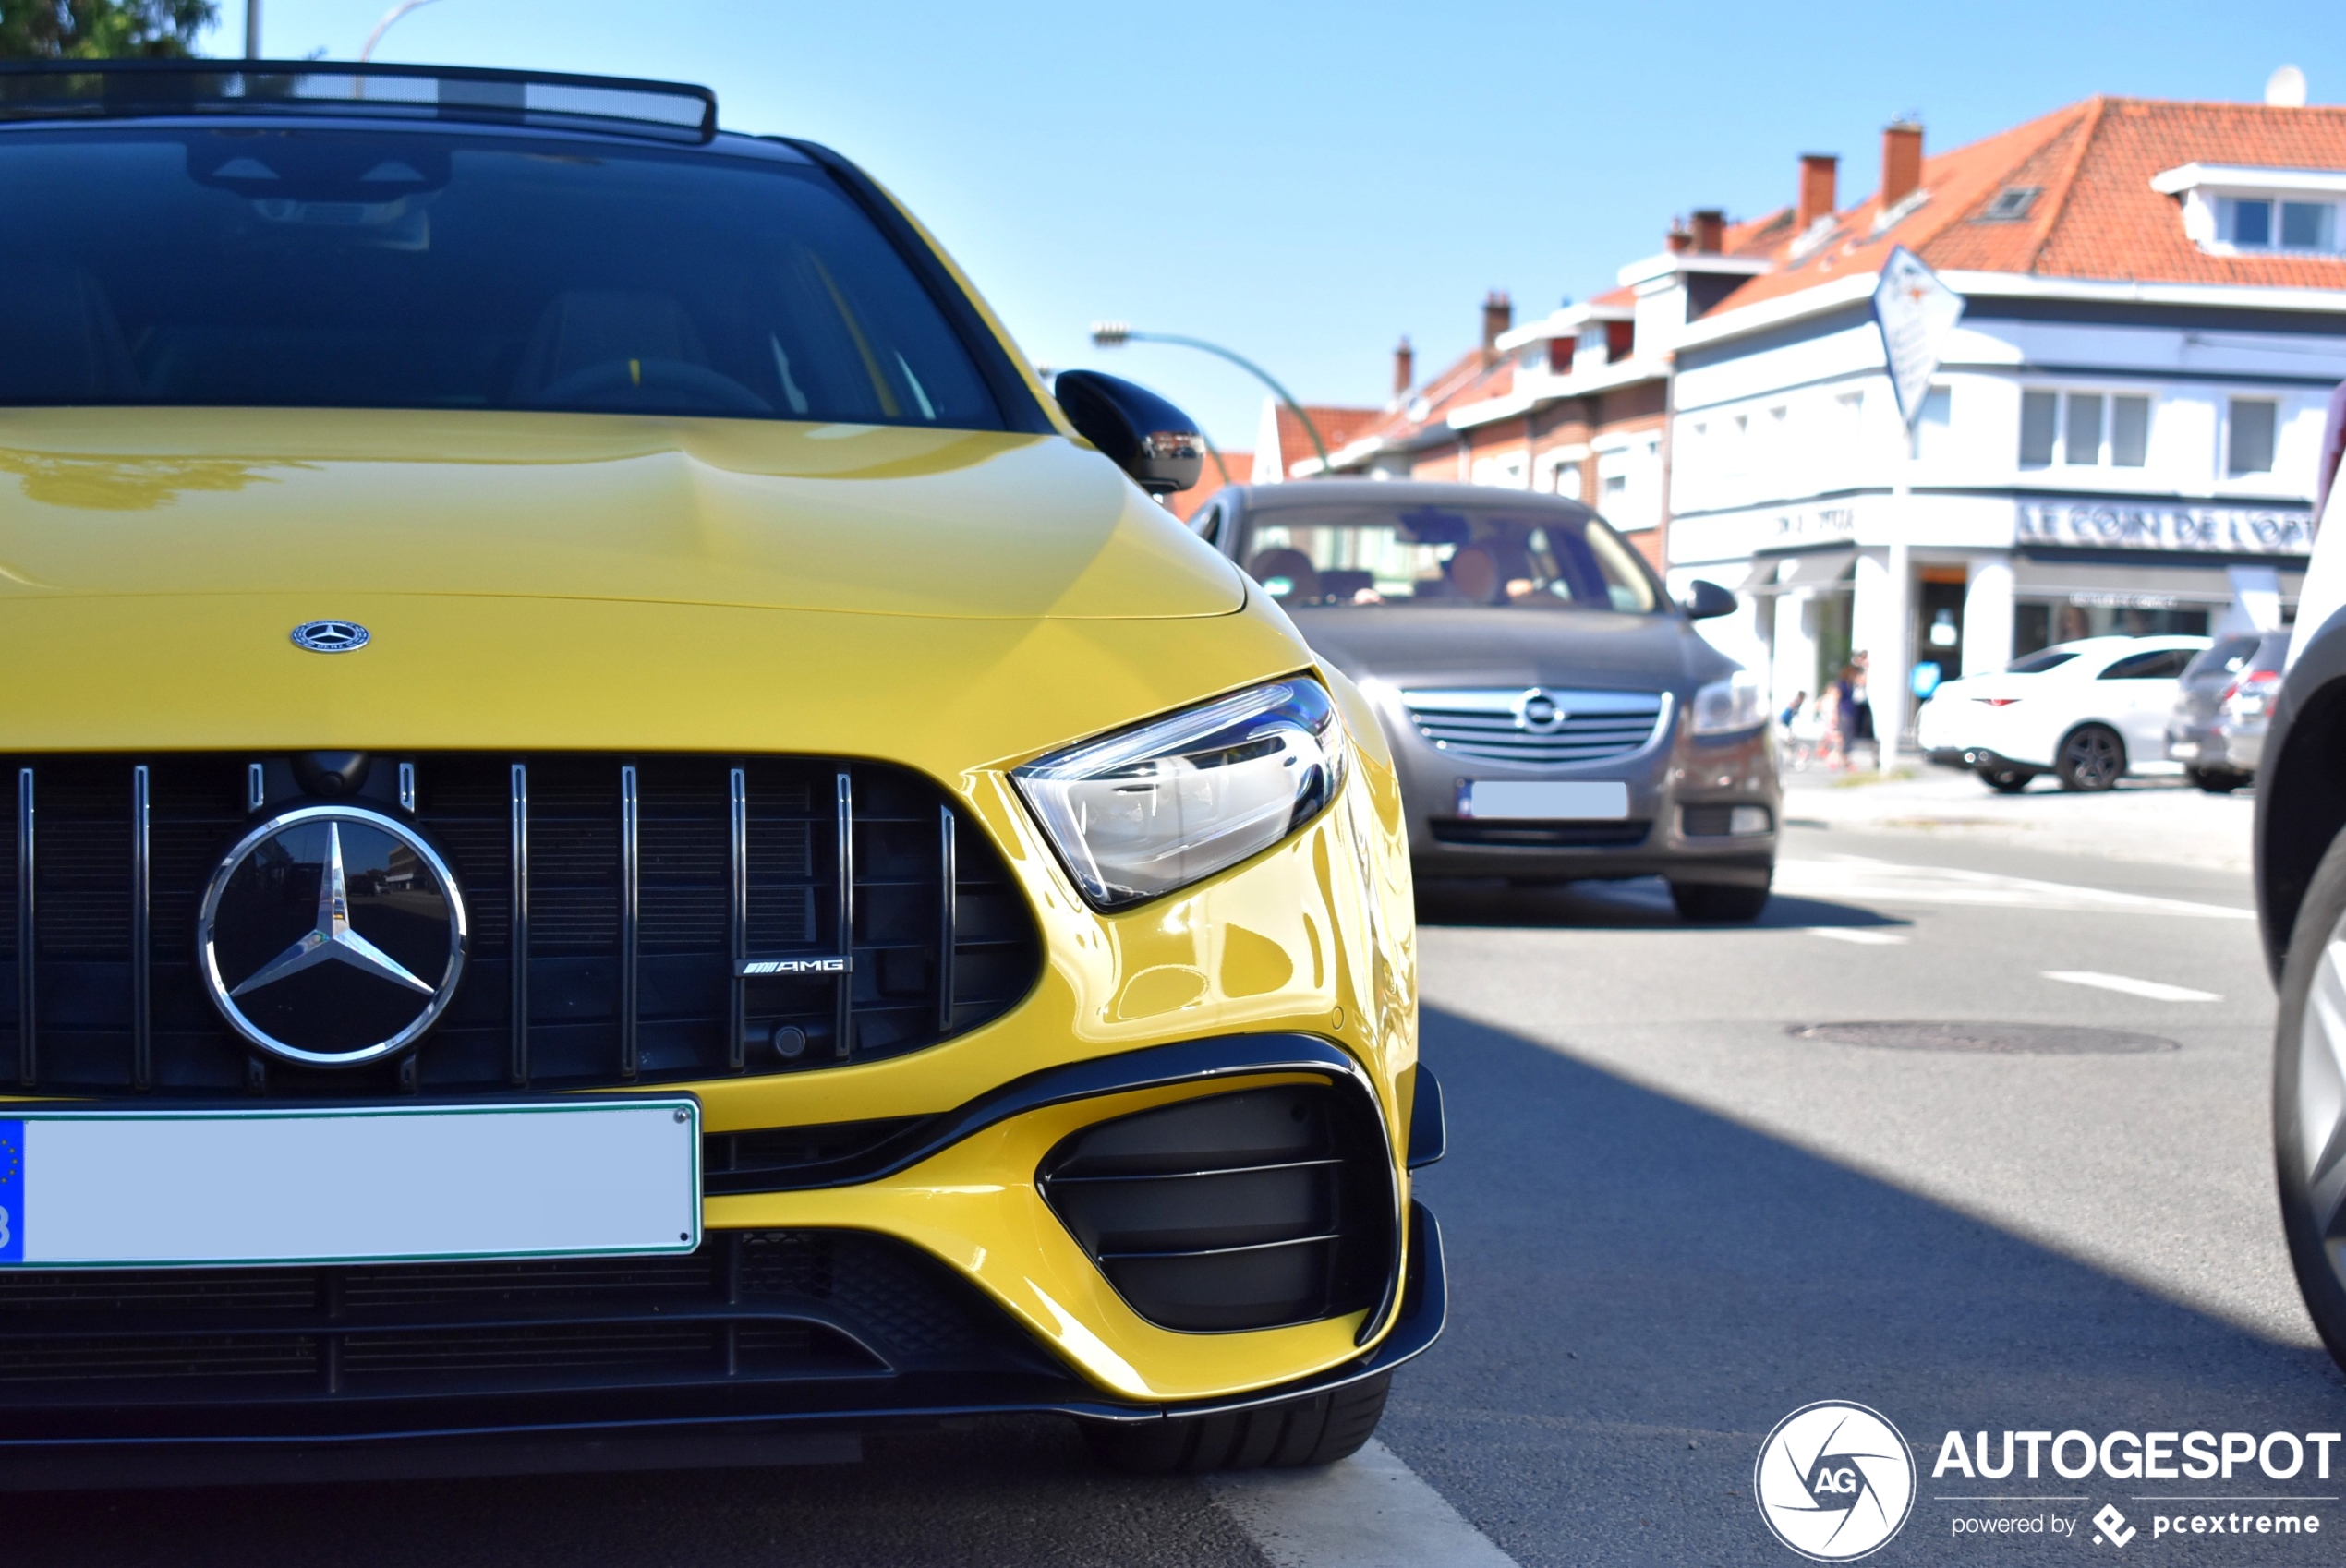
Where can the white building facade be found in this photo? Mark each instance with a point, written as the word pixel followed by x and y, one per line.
pixel 2093 456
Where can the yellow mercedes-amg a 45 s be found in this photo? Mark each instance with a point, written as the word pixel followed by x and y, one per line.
pixel 627 840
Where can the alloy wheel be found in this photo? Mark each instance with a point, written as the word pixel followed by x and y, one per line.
pixel 2092 758
pixel 2320 1114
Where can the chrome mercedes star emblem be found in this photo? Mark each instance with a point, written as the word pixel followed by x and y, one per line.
pixel 332 940
pixel 331 636
pixel 332 936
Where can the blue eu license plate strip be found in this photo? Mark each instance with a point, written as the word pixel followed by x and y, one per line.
pixel 11 1192
pixel 163 1187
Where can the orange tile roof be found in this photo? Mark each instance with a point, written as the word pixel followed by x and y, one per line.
pixel 1183 504
pixel 2095 216
pixel 1473 376
pixel 1337 426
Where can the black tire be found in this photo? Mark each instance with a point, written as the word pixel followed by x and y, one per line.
pixel 2092 758
pixel 2311 1183
pixel 1318 1430
pixel 1718 902
pixel 2217 780
pixel 2006 780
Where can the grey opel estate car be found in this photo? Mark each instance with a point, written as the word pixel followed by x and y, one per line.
pixel 1554 716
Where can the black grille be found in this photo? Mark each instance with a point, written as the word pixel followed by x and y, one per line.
pixel 746 1307
pixel 730 860
pixel 1540 835
pixel 1231 1211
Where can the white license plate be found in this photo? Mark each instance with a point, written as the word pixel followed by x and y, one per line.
pixel 1517 800
pixel 410 1183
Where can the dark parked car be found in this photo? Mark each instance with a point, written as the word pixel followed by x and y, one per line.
pixel 2218 729
pixel 2300 907
pixel 1554 716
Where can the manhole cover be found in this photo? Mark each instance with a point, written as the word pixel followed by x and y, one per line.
pixel 2004 1039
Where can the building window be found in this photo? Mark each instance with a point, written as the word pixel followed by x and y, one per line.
pixel 2084 431
pixel 1934 425
pixel 2081 440
pixel 2250 448
pixel 2258 223
pixel 2129 431
pixel 2040 425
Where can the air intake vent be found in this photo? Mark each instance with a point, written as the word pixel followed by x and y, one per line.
pixel 1245 1210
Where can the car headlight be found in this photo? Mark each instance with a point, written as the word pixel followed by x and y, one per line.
pixel 1157 807
pixel 1731 704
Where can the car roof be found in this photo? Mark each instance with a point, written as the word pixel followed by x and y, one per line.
pixel 2107 650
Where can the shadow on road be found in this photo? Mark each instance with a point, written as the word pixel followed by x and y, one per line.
pixel 1007 1493
pixel 1641 1289
pixel 1641 904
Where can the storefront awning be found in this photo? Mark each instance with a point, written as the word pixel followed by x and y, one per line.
pixel 1812 572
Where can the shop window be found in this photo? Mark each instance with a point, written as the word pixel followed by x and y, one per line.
pixel 2129 431
pixel 2249 449
pixel 2039 424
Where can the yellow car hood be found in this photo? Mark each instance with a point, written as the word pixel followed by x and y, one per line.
pixel 948 600
pixel 854 518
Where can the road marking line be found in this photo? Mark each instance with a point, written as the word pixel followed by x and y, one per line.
pixel 2156 990
pixel 1370 1511
pixel 1860 878
pixel 1862 937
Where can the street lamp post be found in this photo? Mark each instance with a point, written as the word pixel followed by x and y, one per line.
pixel 383 26
pixel 1115 334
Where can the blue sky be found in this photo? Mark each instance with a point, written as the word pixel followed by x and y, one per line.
pixel 1306 182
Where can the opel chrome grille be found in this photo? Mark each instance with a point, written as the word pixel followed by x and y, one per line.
pixel 1539 726
pixel 633 920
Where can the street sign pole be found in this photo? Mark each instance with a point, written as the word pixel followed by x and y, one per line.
pixel 1915 313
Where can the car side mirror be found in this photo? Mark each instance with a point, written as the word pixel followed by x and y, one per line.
pixel 1148 437
pixel 1707 602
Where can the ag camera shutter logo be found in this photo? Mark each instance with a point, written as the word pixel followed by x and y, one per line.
pixel 1834 1481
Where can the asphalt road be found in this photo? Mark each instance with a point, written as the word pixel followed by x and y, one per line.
pixel 1670 1223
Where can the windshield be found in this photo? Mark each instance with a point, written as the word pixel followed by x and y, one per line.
pixel 1495 558
pixel 401 269
pixel 2038 663
pixel 2224 657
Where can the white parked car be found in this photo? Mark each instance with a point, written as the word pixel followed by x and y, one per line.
pixel 2087 711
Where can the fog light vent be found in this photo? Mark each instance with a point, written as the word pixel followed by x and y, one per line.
pixel 1244 1211
pixel 1718 822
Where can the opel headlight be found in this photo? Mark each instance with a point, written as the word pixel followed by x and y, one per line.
pixel 1157 807
pixel 1731 704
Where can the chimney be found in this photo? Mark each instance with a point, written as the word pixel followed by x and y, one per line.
pixel 1498 315
pixel 1901 160
pixel 1710 231
pixel 1818 175
pixel 1679 240
pixel 1405 364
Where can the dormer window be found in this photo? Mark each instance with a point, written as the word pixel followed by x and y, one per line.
pixel 2253 212
pixel 2257 223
